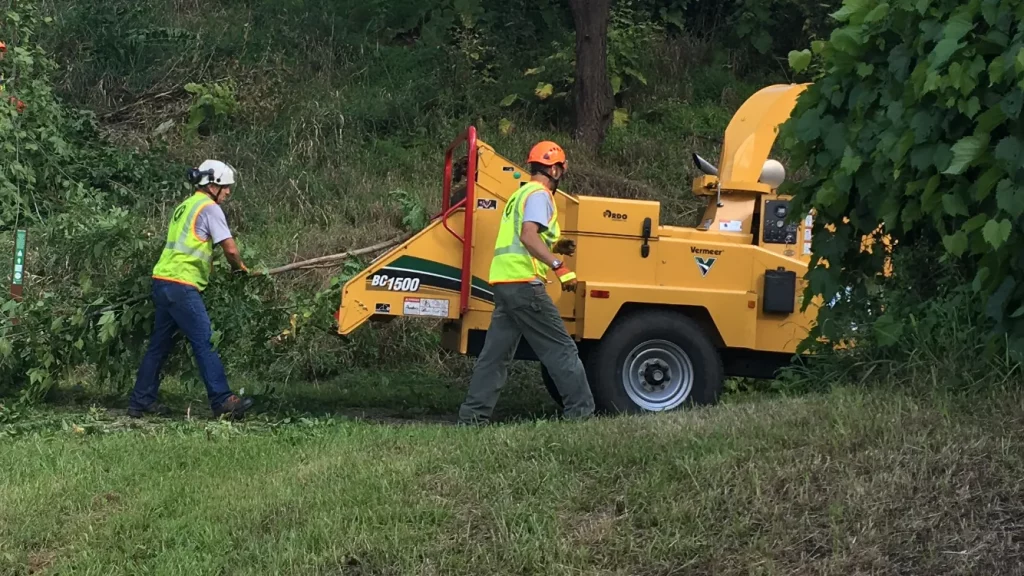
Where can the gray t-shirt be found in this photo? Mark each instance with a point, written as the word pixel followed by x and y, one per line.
pixel 539 209
pixel 211 223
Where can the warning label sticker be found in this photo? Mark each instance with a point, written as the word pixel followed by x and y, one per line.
pixel 426 307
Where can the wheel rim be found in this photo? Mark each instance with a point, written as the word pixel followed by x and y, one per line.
pixel 658 375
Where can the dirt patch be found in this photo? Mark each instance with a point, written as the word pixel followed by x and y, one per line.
pixel 108 499
pixel 39 562
pixel 593 528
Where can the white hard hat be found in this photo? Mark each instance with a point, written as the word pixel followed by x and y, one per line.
pixel 222 174
pixel 773 173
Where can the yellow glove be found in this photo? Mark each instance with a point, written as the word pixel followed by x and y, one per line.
pixel 566 277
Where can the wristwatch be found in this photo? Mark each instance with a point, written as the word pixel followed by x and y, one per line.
pixel 556 264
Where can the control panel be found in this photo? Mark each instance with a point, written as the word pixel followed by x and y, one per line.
pixel 776 229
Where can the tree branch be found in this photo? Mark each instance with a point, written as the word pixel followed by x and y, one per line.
pixel 112 307
pixel 145 98
pixel 324 261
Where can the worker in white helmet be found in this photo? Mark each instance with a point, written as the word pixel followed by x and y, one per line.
pixel 179 278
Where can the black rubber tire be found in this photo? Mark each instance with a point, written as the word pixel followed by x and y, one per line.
pixel 610 355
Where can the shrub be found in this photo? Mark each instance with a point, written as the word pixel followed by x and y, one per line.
pixel 913 123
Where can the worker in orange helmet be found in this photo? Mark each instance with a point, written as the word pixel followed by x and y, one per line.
pixel 524 253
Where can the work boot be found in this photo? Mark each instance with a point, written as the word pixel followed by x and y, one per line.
pixel 233 405
pixel 154 408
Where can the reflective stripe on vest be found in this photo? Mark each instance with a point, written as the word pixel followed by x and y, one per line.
pixel 186 258
pixel 512 262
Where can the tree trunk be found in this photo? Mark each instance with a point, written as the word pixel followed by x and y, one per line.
pixel 595 102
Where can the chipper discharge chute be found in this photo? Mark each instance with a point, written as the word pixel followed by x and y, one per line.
pixel 661 314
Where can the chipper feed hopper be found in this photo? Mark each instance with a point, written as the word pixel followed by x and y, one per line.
pixel 661 314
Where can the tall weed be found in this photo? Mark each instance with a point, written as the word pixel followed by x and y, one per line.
pixel 936 340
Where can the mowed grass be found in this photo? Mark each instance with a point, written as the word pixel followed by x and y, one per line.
pixel 382 395
pixel 850 482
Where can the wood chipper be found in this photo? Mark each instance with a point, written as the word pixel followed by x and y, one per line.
pixel 661 314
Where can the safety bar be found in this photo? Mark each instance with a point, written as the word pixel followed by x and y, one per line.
pixel 469 137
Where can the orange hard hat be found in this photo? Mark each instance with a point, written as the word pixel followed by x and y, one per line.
pixel 547 153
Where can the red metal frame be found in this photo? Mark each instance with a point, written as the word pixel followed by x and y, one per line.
pixel 469 202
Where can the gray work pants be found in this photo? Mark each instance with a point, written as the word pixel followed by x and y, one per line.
pixel 526 310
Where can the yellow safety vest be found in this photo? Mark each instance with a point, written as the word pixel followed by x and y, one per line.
pixel 512 262
pixel 186 259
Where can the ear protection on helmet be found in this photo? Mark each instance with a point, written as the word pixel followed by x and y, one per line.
pixel 195 176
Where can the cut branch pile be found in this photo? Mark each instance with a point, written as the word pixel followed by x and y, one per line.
pixel 319 262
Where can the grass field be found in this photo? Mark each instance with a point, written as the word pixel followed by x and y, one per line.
pixel 338 130
pixel 849 482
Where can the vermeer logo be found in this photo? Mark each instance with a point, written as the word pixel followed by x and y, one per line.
pixel 614 215
pixel 704 264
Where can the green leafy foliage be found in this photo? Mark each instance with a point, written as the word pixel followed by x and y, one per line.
pixel 96 220
pixel 71 192
pixel 929 95
pixel 799 60
pixel 768 27
pixel 35 134
pixel 212 106
pixel 631 37
pixel 887 330
pixel 414 213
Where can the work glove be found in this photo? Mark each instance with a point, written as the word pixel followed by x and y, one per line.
pixel 565 246
pixel 243 271
pixel 567 278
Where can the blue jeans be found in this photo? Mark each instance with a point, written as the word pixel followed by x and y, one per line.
pixel 179 307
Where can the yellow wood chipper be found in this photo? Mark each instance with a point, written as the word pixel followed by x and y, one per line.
pixel 661 314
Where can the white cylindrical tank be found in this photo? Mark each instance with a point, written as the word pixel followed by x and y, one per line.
pixel 773 173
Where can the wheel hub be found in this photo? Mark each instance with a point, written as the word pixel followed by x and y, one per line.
pixel 658 375
pixel 655 374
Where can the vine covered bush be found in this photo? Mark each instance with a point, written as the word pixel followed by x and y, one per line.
pixel 95 216
pixel 912 128
pixel 76 197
